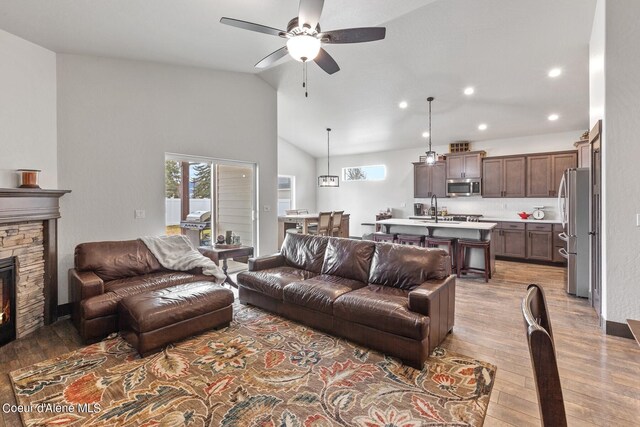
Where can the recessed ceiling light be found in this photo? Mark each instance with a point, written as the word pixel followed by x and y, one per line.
pixel 469 91
pixel 553 117
pixel 425 134
pixel 482 126
pixel 555 72
pixel 403 105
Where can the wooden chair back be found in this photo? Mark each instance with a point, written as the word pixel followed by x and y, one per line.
pixel 543 357
pixel 324 223
pixel 336 223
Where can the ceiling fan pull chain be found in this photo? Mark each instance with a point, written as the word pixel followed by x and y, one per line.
pixel 305 83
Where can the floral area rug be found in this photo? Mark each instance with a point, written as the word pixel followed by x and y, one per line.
pixel 262 370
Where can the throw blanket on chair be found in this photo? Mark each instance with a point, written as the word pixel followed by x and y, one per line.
pixel 176 253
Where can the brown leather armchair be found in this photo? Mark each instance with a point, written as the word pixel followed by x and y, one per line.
pixel 397 299
pixel 106 272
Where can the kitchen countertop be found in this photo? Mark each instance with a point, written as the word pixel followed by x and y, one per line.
pixel 442 224
pixel 496 219
pixel 518 219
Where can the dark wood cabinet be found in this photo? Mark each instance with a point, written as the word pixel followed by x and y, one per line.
pixel 465 165
pixel 559 164
pixel 429 180
pixel 539 176
pixel 504 177
pixel 540 245
pixel 545 171
pixel 532 241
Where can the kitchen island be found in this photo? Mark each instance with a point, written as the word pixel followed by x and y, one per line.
pixel 450 229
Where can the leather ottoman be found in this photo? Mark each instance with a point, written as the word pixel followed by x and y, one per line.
pixel 151 320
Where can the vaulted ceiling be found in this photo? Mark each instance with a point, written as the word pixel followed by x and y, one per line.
pixel 503 48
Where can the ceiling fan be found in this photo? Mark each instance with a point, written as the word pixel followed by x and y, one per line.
pixel 305 37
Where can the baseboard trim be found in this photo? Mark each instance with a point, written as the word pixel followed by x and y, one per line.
pixel 64 310
pixel 618 329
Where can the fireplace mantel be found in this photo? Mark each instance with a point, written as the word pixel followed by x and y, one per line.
pixel 32 205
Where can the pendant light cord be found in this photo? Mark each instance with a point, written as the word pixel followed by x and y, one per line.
pixel 430 99
pixel 328 130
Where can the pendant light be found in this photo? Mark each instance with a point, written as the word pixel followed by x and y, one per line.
pixel 431 155
pixel 328 180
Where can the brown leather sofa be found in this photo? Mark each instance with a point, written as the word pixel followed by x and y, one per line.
pixel 105 273
pixel 393 298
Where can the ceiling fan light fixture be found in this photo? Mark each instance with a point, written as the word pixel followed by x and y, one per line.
pixel 303 47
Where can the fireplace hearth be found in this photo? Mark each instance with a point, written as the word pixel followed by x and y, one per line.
pixel 7 300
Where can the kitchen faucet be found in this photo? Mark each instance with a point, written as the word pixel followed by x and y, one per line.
pixel 436 211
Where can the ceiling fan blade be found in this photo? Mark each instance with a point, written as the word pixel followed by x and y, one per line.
pixel 272 57
pixel 326 62
pixel 354 35
pixel 309 13
pixel 251 26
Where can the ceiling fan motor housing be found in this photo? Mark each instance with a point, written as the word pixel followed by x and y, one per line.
pixel 293 29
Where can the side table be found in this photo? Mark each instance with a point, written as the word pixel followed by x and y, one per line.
pixel 218 254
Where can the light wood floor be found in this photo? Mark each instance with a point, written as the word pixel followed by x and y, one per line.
pixel 600 374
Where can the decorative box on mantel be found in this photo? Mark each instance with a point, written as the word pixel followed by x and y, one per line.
pixel 28 241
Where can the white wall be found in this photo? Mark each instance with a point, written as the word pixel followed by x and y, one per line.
pixel 27 111
pixel 296 162
pixel 116 121
pixel 363 199
pixel 597 93
pixel 621 157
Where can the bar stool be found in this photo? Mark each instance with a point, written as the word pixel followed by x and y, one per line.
pixel 411 239
pixel 463 245
pixel 451 244
pixel 384 237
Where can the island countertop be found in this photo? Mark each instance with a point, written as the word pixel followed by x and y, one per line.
pixel 483 226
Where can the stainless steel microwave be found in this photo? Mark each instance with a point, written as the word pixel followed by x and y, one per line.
pixel 463 187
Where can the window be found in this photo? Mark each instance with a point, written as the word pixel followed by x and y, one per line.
pixel 364 173
pixel 285 194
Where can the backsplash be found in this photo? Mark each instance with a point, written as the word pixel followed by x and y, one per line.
pixel 500 207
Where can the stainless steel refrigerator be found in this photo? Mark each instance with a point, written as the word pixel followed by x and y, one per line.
pixel 573 205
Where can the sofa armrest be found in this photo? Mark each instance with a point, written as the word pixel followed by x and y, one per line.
pixel 265 262
pixel 85 284
pixel 436 299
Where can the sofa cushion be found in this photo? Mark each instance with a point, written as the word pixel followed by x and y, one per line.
pixel 318 293
pixel 115 260
pixel 272 281
pixel 348 258
pixel 383 308
pixel 405 267
pixel 304 251
pixel 107 303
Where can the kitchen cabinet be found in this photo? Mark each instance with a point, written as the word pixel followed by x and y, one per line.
pixel 514 236
pixel 544 172
pixel 508 239
pixel 523 241
pixel 584 153
pixel 429 180
pixel 465 165
pixel 504 177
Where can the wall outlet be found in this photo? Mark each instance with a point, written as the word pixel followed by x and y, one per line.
pixel 266 208
pixel 139 214
pixel 403 205
pixel 504 206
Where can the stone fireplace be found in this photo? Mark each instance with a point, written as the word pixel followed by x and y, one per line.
pixel 7 300
pixel 28 259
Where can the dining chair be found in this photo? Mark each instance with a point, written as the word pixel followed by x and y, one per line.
pixel 323 228
pixel 336 223
pixel 543 357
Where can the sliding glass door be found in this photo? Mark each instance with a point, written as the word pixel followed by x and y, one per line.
pixel 225 189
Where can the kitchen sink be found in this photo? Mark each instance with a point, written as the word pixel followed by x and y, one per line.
pixel 433 221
